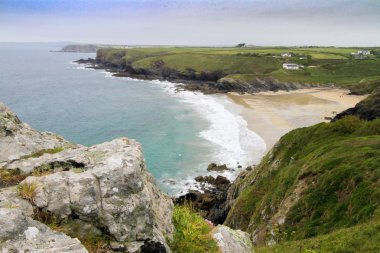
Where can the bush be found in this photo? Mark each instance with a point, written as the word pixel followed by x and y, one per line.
pixel 192 232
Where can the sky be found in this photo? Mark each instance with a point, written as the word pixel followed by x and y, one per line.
pixel 195 22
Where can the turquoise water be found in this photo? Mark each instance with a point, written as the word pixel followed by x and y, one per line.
pixel 181 133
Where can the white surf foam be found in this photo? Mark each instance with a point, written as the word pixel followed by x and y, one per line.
pixel 235 145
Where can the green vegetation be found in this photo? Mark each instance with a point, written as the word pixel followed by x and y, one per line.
pixel 334 167
pixel 360 238
pixel 44 151
pixel 322 65
pixel 192 232
pixel 27 190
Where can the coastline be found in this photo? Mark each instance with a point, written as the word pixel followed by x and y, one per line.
pixel 273 114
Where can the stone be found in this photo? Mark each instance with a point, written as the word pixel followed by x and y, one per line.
pixel 232 241
pixel 18 139
pixel 20 233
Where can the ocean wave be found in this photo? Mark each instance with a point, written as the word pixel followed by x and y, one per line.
pixel 235 144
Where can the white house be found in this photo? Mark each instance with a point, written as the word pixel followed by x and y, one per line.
pixel 291 66
pixel 364 52
pixel 286 55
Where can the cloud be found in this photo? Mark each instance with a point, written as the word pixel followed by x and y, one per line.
pixel 197 22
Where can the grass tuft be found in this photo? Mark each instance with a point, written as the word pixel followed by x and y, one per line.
pixel 27 190
pixel 192 232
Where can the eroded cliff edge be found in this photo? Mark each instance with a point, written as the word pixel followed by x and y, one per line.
pixel 103 194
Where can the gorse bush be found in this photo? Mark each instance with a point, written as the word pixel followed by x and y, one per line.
pixel 192 232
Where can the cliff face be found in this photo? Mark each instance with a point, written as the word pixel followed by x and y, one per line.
pixel 314 181
pixel 101 193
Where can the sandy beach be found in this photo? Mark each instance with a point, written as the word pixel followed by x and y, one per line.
pixel 272 114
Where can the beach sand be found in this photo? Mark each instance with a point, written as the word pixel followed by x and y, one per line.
pixel 272 114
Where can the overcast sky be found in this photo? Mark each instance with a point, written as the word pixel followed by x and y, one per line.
pixel 195 22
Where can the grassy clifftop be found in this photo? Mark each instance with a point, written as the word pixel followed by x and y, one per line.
pixel 322 65
pixel 316 180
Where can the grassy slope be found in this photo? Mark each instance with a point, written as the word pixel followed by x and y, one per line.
pixel 340 165
pixel 360 238
pixel 327 65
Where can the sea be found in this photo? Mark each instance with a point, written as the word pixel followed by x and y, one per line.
pixel 181 132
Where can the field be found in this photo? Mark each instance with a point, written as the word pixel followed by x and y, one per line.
pixel 321 65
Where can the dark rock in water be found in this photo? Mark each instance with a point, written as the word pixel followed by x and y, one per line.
pixel 368 109
pixel 219 182
pixel 211 202
pixel 215 167
pixel 86 61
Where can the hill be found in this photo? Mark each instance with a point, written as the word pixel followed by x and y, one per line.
pixel 247 69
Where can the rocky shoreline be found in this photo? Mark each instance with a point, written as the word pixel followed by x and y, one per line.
pixel 206 82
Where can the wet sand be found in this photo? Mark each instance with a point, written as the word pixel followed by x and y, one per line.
pixel 272 114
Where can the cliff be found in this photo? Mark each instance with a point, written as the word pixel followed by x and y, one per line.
pixel 103 195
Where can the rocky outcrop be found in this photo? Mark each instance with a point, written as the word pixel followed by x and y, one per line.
pixel 106 187
pixel 232 241
pixel 18 139
pixel 368 109
pixel 20 233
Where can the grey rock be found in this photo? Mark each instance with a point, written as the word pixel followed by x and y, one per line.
pixel 20 233
pixel 18 139
pixel 232 241
pixel 113 190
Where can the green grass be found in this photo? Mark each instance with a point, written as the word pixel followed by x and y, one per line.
pixel 323 65
pixel 340 165
pixel 43 151
pixel 363 238
pixel 192 232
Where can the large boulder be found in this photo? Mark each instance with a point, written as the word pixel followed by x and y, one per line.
pixel 20 233
pixel 232 241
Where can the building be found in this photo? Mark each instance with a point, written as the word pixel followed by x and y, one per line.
pixel 364 52
pixel 286 55
pixel 291 66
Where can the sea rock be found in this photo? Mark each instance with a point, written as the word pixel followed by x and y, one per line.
pixel 18 139
pixel 232 241
pixel 217 168
pixel 211 201
pixel 20 233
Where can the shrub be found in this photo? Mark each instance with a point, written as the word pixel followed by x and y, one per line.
pixel 192 232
